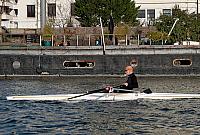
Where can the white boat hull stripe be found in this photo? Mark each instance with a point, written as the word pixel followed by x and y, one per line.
pixel 106 96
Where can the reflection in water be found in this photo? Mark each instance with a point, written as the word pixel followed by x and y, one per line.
pixel 93 117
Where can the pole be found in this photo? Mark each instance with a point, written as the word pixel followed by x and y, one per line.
pixel 197 8
pixel 172 28
pixel 89 39
pixel 42 14
pixel 40 40
pixel 197 21
pixel 37 14
pixel 77 40
pixel 104 46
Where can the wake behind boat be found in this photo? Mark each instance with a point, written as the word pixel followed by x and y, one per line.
pixel 104 96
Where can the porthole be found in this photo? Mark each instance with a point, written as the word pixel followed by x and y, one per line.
pixel 182 62
pixel 134 63
pixel 16 64
pixel 79 64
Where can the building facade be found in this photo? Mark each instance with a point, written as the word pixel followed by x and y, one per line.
pixel 27 13
pixel 151 10
pixel 7 11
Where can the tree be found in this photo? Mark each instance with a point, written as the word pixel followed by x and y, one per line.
pixel 121 31
pixel 48 29
pixel 63 17
pixel 89 11
pixel 187 28
pixel 157 36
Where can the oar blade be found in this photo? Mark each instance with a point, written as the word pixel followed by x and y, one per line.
pixel 147 91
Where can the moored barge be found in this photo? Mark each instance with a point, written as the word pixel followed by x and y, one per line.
pixel 91 60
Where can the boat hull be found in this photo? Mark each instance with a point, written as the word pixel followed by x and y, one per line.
pixel 90 61
pixel 105 96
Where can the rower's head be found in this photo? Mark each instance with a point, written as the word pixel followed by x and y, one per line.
pixel 129 70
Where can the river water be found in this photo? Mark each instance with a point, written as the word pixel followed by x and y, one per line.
pixel 148 117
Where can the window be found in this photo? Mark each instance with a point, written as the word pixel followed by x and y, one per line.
pixel 16 12
pixel 141 13
pixel 151 14
pixel 167 12
pixel 79 64
pixel 16 64
pixel 51 9
pixel 5 9
pixel 182 62
pixel 30 10
pixel 134 63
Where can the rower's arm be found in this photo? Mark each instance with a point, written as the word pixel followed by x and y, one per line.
pixel 132 83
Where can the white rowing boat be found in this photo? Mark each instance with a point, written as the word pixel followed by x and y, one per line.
pixel 104 96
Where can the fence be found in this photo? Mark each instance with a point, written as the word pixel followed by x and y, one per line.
pixel 70 40
pixel 82 40
pixel 91 40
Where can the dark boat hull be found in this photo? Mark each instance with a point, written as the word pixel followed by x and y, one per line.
pixel 149 61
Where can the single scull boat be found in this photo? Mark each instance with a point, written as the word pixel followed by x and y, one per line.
pixel 104 96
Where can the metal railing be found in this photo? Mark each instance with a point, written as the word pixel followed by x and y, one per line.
pixel 89 40
pixel 70 40
pixel 82 40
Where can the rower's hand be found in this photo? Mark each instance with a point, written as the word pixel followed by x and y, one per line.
pixel 126 84
pixel 109 89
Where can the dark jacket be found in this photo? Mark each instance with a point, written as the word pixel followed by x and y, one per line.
pixel 132 82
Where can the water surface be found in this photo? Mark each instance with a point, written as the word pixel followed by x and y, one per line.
pixel 149 117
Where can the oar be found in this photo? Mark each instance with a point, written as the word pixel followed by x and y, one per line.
pixel 146 91
pixel 87 93
pixel 90 92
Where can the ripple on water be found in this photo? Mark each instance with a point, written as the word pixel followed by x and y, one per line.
pixel 127 117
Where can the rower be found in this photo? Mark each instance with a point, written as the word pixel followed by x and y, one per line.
pixel 129 84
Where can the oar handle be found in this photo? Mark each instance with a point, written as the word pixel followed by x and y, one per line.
pixel 94 91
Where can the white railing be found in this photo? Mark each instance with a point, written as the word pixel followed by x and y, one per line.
pixel 90 40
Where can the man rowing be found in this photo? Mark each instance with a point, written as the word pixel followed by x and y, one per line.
pixel 129 84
